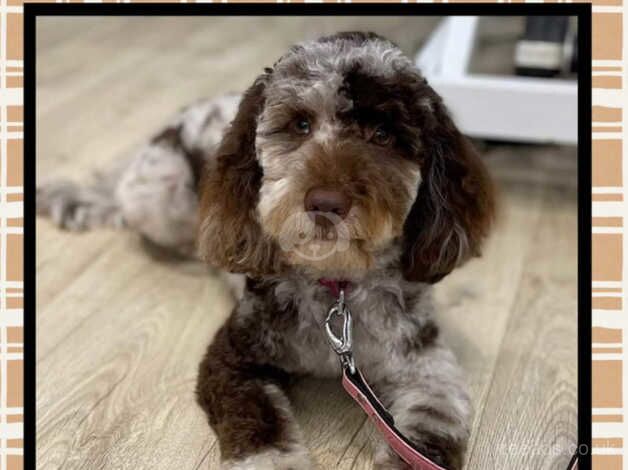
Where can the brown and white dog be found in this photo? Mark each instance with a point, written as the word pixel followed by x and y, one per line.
pixel 340 162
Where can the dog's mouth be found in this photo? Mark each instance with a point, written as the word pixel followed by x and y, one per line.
pixel 335 246
pixel 324 241
pixel 329 232
pixel 303 227
pixel 321 236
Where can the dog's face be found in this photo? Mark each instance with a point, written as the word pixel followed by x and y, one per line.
pixel 340 169
pixel 337 154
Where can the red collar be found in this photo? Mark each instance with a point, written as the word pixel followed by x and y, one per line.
pixel 334 285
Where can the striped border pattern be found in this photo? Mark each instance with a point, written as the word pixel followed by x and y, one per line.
pixel 610 272
pixel 11 236
pixel 609 370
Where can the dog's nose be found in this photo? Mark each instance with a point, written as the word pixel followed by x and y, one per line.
pixel 327 201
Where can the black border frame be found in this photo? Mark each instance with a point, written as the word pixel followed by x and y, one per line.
pixel 583 11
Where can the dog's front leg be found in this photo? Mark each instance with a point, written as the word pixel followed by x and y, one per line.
pixel 247 409
pixel 427 396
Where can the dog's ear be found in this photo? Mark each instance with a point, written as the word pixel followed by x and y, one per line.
pixel 229 235
pixel 455 204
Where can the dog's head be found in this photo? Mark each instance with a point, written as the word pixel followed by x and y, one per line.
pixel 338 154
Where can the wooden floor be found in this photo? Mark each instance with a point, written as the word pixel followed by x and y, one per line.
pixel 120 334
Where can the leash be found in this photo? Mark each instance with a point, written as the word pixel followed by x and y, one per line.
pixel 573 464
pixel 356 386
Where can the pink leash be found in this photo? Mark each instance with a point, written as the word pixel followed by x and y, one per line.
pixel 356 386
pixel 573 465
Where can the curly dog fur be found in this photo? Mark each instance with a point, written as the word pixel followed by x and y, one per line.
pixel 401 198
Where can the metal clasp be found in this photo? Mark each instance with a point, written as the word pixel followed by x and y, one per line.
pixel 341 344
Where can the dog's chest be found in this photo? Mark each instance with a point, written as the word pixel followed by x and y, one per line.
pixel 382 325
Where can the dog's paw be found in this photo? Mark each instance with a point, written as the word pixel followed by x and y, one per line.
pixel 296 459
pixel 76 208
pixel 386 459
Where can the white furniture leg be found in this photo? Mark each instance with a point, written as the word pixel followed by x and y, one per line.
pixel 496 107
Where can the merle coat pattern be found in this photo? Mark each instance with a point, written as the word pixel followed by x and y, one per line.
pixel 230 176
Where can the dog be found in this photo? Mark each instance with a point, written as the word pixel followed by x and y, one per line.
pixel 339 162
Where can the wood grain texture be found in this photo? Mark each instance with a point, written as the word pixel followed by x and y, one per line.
pixel 120 335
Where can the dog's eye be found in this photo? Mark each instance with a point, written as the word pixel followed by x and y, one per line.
pixel 381 136
pixel 302 126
